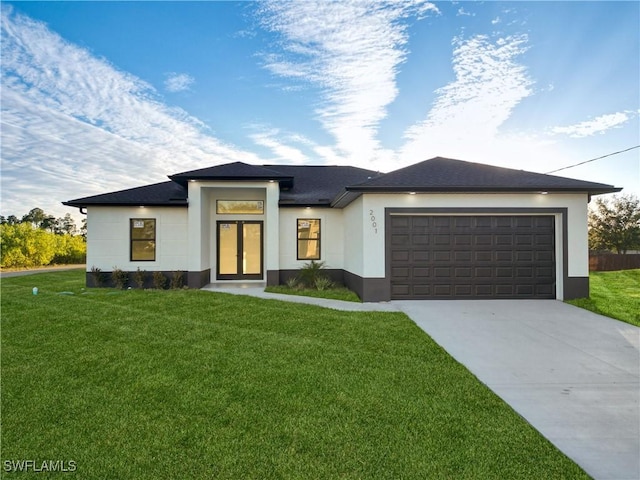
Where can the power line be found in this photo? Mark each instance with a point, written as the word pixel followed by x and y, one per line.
pixel 593 159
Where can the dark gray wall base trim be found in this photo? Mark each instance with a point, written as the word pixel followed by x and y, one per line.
pixel 273 277
pixel 106 279
pixel 576 287
pixel 199 279
pixel 368 289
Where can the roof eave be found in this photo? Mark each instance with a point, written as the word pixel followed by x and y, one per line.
pixel 596 190
pixel 80 204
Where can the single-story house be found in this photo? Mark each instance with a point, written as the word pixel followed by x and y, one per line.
pixel 437 229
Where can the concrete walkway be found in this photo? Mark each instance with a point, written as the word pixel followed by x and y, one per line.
pixel 257 290
pixel 572 374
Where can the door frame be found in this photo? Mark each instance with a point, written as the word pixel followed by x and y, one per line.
pixel 240 250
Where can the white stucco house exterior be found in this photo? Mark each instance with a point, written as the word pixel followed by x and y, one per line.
pixel 438 229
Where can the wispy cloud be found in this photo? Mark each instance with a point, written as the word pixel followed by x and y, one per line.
pixel 178 82
pixel 80 126
pixel 590 127
pixel 351 50
pixel 489 84
pixel 274 140
pixel 464 13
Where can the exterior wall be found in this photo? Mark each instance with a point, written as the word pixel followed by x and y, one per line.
pixel 109 244
pixel 332 243
pixel 354 238
pixel 371 267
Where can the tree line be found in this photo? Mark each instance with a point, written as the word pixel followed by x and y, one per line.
pixel 37 239
pixel 614 224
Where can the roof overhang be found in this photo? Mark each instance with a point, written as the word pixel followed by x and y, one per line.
pixel 351 193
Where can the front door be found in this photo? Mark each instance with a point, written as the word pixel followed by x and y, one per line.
pixel 239 255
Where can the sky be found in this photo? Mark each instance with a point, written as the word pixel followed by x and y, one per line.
pixel 101 96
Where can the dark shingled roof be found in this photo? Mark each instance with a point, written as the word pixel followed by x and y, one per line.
pixel 230 171
pixel 165 194
pixel 337 186
pixel 318 185
pixel 448 175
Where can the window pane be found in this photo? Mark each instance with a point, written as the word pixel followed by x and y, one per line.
pixel 308 250
pixel 143 250
pixel 243 207
pixel 252 243
pixel 143 239
pixel 143 229
pixel 308 239
pixel 228 248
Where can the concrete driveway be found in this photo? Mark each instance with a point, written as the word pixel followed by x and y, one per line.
pixel 572 374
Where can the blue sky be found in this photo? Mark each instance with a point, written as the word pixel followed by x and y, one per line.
pixel 102 96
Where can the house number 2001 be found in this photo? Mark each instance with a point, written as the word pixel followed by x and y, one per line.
pixel 374 224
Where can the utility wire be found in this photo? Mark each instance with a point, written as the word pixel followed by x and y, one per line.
pixel 593 159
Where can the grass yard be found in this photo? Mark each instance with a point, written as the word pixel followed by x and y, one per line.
pixel 336 293
pixel 192 384
pixel 614 294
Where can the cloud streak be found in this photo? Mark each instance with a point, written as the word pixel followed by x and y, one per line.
pixel 81 126
pixel 468 112
pixel 591 127
pixel 351 51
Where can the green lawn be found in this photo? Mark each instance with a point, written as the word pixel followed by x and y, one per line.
pixel 335 293
pixel 614 294
pixel 192 384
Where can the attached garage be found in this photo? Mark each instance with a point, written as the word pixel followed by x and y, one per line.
pixel 472 256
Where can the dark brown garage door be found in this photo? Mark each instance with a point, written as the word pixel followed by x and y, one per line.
pixel 472 257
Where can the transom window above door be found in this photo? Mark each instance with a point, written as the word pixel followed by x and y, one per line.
pixel 239 207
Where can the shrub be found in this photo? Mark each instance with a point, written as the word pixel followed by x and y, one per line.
pixel 26 246
pixel 159 280
pixel 323 283
pixel 119 277
pixel 177 280
pixel 69 249
pixel 97 276
pixel 139 277
pixel 311 272
pixel 293 283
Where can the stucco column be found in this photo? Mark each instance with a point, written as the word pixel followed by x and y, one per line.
pixel 272 242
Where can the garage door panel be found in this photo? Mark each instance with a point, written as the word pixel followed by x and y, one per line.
pixel 400 239
pixel 462 256
pixel 420 255
pixel 419 272
pixel 400 255
pixel 473 256
pixel 442 256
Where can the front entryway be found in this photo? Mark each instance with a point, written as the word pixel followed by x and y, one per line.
pixel 239 252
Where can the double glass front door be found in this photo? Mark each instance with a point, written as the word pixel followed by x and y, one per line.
pixel 239 250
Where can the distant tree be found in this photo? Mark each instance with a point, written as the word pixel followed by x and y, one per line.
pixel 615 224
pixel 12 220
pixel 64 225
pixel 83 228
pixel 34 217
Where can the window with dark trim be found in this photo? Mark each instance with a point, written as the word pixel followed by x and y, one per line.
pixel 308 239
pixel 143 239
